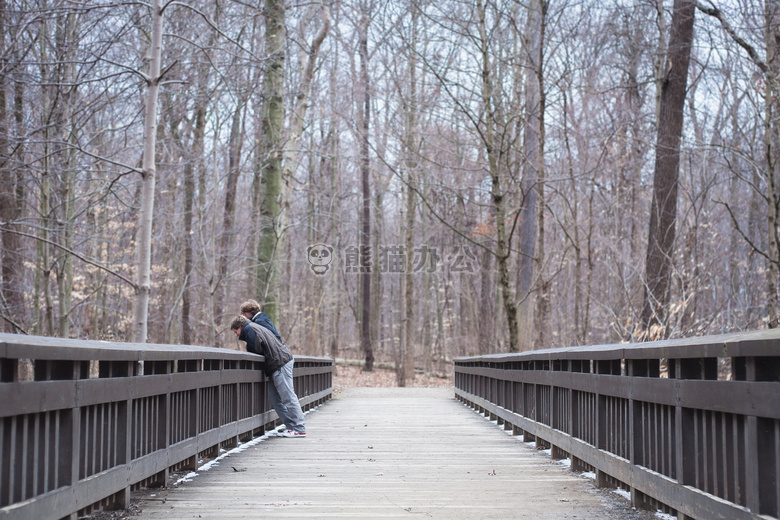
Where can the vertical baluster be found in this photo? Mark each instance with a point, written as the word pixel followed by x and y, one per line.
pixel 33 461
pixel 705 461
pixel 14 462
pixel 83 444
pixel 103 438
pixel 776 512
pixel 46 466
pixel 116 421
pixel 697 452
pixel 144 426
pixel 717 443
pixel 660 434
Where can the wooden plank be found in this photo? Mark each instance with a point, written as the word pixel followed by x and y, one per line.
pixel 379 453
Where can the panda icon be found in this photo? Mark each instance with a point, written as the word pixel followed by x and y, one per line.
pixel 319 256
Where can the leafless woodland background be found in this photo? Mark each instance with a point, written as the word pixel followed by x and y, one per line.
pixel 71 141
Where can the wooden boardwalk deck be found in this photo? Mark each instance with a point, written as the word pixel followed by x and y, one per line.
pixel 389 453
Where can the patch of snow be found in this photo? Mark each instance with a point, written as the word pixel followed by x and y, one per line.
pixel 564 462
pixel 186 478
pixel 547 452
pixel 588 474
pixel 664 516
pixel 238 449
pixel 623 493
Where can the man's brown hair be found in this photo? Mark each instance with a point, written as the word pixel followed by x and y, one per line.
pixel 238 322
pixel 250 306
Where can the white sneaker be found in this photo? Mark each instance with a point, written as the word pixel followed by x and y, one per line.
pixel 291 433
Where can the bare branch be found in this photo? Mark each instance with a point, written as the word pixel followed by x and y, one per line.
pixel 718 14
pixel 4 227
pixel 739 230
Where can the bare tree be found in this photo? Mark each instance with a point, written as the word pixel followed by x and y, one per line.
pixel 271 150
pixel 11 194
pixel 364 125
pixel 149 172
pixel 663 209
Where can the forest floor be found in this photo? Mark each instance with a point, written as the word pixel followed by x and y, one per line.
pixel 355 377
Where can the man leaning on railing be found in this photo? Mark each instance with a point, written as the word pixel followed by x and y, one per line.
pixel 279 363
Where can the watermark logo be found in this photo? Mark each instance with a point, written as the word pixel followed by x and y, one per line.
pixel 394 259
pixel 320 257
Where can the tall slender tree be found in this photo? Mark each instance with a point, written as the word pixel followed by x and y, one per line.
pixel 663 209
pixel 149 174
pixel 365 190
pixel 272 150
pixel 532 171
pixel 411 152
pixel 11 299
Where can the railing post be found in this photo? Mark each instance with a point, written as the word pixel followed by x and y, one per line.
pixel 125 452
pixel 74 432
pixel 751 448
pixel 601 422
pixel 165 434
pixel 633 369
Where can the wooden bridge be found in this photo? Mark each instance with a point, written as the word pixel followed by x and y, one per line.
pixel 388 453
pixel 690 427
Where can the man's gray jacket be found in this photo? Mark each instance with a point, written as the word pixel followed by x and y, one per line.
pixel 260 340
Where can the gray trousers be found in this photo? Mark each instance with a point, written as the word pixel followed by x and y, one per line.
pixel 282 396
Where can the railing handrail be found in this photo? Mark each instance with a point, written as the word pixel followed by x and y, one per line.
pixel 691 426
pixel 739 344
pixel 95 420
pixel 20 346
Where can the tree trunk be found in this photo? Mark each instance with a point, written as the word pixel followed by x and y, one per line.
pixel 43 319
pixel 228 217
pixel 411 151
pixel 543 297
pixel 663 209
pixel 272 150
pixel 11 199
pixel 66 183
pixel 334 233
pixel 487 321
pixel 365 178
pixel 497 191
pixel 378 234
pixel 772 143
pixel 149 172
pixel 192 167
pixel 409 307
pixel 575 226
pixel 532 149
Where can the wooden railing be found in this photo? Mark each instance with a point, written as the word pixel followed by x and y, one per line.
pixel 691 427
pixel 91 421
